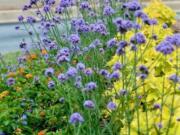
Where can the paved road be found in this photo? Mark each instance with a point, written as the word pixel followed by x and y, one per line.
pixel 10 38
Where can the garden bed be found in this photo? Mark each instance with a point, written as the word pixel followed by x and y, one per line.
pixel 113 70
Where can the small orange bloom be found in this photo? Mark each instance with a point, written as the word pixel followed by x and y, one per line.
pixel 28 76
pixel 21 71
pixel 42 132
pixel 44 52
pixel 33 56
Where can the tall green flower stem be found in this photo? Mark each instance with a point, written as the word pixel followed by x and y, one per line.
pixel 135 88
pixel 146 108
pixel 162 97
pixel 174 92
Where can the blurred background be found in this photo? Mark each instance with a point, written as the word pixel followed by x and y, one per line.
pixel 11 9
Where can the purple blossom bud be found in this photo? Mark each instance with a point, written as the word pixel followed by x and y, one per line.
pixel 80 66
pixel 85 5
pixel 165 47
pixel 72 72
pixel 46 8
pixel 74 39
pixel 20 18
pixel 174 78
pixel 174 40
pixel 88 71
pixel 115 75
pixel 51 84
pixel 76 118
pixel 122 44
pixel 59 10
pixel 159 125
pixel 112 42
pixel 123 25
pixel 89 104
pixel 165 26
pixel 117 66
pixel 10 81
pixel 132 5
pixel 90 86
pixel 111 106
pixel 157 106
pixel 122 92
pixel 138 38
pixel 61 100
pixel 30 20
pixel 67 3
pixel 140 14
pixel 108 11
pixel 104 73
pixel 49 72
pixel 143 69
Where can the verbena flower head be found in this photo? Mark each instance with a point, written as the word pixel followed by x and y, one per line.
pixel 72 72
pixel 123 25
pixel 108 11
pixel 122 44
pixel 61 100
pixel 62 77
pixel 104 73
pixel 120 51
pixel 99 27
pixel 157 106
pixel 63 55
pixel 88 71
pixel 49 72
pixel 111 106
pixel 143 69
pixel 165 26
pixel 59 10
pixel 140 14
pixel 67 3
pixel 10 81
pixel 23 45
pixel 33 2
pixel 174 78
pixel 80 66
pixel 122 92
pixel 20 18
pixel 76 118
pixel 46 8
pixel 50 2
pixel 165 47
pixel 51 84
pixel 159 125
pixel 85 5
pixel 117 66
pixel 90 86
pixel 174 40
pixel 115 75
pixel 111 43
pixel 31 20
pixel 74 39
pixel 89 104
pixel 138 38
pixel 132 5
